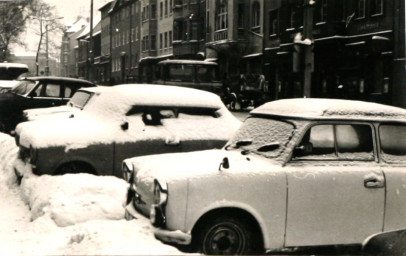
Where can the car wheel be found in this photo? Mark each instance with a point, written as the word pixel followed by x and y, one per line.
pixel 73 168
pixel 226 235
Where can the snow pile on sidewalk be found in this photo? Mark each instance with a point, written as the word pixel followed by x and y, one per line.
pixel 71 214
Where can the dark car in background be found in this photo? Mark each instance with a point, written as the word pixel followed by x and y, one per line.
pixel 36 92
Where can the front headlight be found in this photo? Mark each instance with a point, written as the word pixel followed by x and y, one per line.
pixel 127 172
pixel 33 155
pixel 160 194
pixel 157 211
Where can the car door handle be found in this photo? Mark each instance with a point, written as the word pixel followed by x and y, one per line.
pixel 374 182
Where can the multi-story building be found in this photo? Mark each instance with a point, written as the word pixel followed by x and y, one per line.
pixel 69 44
pixel 125 46
pixel 188 28
pixel 355 49
pixel 103 61
pixel 156 35
pixel 344 49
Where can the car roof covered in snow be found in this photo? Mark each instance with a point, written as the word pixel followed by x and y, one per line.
pixel 200 62
pixel 119 98
pixel 13 65
pixel 312 108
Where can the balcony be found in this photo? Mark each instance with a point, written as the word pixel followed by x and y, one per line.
pixel 220 35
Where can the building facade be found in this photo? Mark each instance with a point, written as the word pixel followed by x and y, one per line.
pixel 351 49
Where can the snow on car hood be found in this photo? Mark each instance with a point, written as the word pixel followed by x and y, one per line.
pixel 36 113
pixel 175 166
pixel 70 132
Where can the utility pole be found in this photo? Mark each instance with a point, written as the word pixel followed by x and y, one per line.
pixel 307 38
pixel 91 43
pixel 46 51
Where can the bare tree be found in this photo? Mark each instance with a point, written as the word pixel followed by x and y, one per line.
pixel 48 22
pixel 13 17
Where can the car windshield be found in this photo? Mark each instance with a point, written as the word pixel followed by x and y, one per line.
pixel 80 99
pixel 23 87
pixel 263 136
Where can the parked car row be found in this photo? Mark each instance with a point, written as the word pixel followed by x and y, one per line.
pixel 297 174
pixel 35 92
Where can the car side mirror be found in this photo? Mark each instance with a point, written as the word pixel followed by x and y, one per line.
pixel 124 126
pixel 33 94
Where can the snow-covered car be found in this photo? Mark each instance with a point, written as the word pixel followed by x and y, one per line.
pixel 36 92
pixel 79 100
pixel 7 85
pixel 299 173
pixel 124 121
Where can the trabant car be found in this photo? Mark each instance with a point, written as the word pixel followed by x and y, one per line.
pixel 299 173
pixel 124 121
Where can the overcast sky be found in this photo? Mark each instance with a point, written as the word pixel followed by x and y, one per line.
pixel 69 10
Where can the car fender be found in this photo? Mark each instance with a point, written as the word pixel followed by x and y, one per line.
pixel 225 204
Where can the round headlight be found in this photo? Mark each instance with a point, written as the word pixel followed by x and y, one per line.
pixel 127 172
pixel 160 196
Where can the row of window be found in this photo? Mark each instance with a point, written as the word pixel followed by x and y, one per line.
pixel 150 43
pixel 363 9
pixel 125 37
pixel 150 11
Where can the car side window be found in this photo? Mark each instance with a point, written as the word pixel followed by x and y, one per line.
pixel 52 90
pixel 336 142
pixel 38 91
pixel 67 92
pixel 393 148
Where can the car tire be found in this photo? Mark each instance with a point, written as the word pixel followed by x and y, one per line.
pixel 74 168
pixel 226 235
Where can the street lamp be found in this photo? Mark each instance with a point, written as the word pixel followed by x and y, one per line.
pixel 41 20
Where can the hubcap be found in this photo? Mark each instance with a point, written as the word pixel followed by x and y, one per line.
pixel 225 238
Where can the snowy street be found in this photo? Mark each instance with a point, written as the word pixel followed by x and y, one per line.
pixel 71 214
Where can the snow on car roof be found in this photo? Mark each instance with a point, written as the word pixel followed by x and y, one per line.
pixel 188 62
pixel 13 65
pixel 8 83
pixel 330 109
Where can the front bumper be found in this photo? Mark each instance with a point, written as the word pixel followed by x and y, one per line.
pixel 177 237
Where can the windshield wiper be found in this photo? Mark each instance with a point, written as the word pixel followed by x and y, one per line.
pixel 239 144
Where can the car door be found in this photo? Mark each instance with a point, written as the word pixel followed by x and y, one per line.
pixel 146 134
pixel 46 94
pixel 393 158
pixel 336 188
